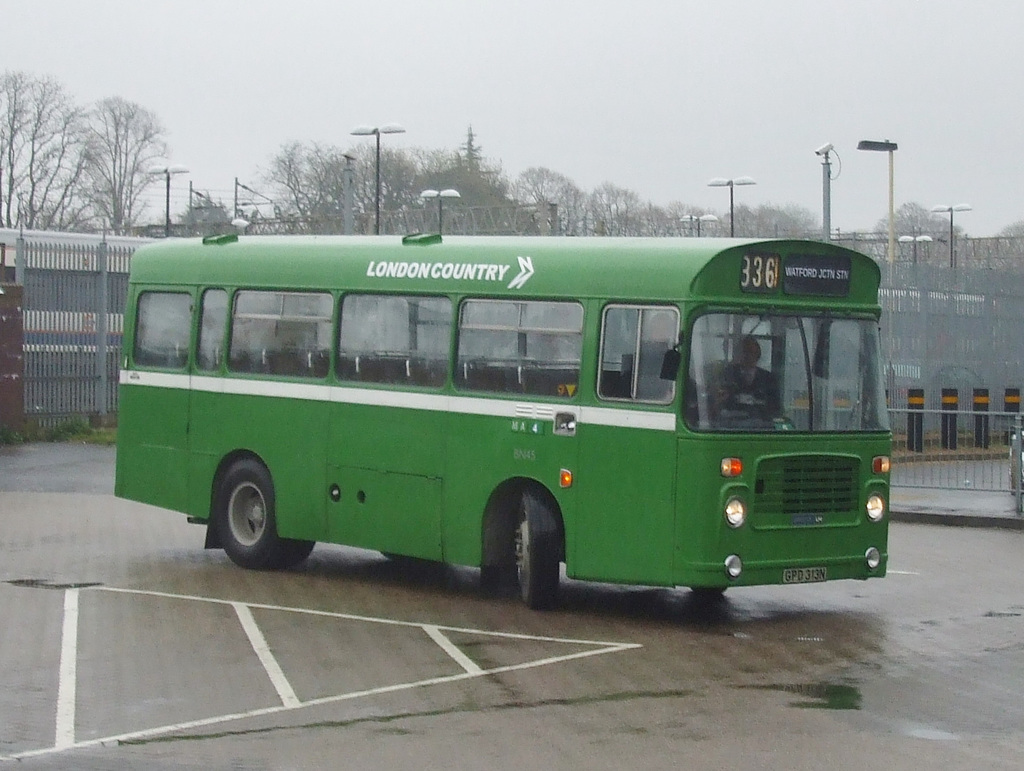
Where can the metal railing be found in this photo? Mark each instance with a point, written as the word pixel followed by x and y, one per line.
pixel 956 450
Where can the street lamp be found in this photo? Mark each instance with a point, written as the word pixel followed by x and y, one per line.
pixel 886 147
pixel 915 240
pixel 941 209
pixel 363 131
pixel 731 183
pixel 696 219
pixel 440 196
pixel 167 171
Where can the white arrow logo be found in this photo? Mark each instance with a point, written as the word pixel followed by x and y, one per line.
pixel 525 271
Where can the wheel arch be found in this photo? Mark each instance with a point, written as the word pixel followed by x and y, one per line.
pixel 501 516
pixel 213 540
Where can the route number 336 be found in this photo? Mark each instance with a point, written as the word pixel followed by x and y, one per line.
pixel 759 273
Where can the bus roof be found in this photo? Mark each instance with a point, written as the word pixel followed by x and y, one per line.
pixel 647 269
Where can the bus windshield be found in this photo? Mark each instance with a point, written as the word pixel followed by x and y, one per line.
pixel 775 372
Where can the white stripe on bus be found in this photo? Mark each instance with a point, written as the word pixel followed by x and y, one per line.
pixel 464 405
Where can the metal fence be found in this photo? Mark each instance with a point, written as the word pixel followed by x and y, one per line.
pixel 954 449
pixel 75 287
pixel 946 327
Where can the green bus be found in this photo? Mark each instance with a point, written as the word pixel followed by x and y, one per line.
pixel 515 404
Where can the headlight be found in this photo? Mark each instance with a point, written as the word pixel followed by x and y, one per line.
pixel 735 512
pixel 875 507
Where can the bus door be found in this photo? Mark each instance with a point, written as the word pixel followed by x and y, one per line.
pixel 626 478
pixel 388 424
pixel 154 402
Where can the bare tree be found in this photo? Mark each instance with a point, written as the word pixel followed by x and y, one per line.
pixel 616 211
pixel 42 153
pixel 913 219
pixel 540 186
pixel 400 179
pixel 309 180
pixel 772 221
pixel 1014 229
pixel 124 140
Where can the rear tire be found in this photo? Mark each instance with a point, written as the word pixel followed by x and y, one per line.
pixel 244 515
pixel 537 551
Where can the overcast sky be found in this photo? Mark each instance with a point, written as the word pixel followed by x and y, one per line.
pixel 657 96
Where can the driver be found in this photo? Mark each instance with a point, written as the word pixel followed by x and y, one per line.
pixel 748 390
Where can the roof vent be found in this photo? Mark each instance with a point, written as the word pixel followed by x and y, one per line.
pixel 421 239
pixel 221 239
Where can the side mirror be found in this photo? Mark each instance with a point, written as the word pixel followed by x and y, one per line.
pixel 670 364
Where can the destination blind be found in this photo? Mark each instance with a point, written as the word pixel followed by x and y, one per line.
pixel 815 274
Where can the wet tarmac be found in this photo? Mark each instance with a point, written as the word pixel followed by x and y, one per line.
pixel 126 645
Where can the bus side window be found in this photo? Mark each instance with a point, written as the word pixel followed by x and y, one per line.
pixel 162 330
pixel 213 318
pixel 394 340
pixel 520 347
pixel 634 340
pixel 280 333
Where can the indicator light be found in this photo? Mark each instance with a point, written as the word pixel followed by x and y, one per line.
pixel 565 478
pixel 732 467
pixel 880 464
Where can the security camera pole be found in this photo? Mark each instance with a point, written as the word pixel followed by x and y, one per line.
pixel 826 192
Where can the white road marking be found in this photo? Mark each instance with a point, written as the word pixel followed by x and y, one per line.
pixel 266 656
pixel 450 648
pixel 597 648
pixel 68 677
pixel 161 730
pixel 353 617
pixel 901 573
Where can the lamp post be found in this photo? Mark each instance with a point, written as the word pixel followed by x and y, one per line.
pixel 440 196
pixel 731 183
pixel 363 131
pixel 348 183
pixel 941 209
pixel 696 219
pixel 915 240
pixel 886 147
pixel 167 171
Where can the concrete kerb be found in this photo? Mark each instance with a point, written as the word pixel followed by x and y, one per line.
pixel 957 508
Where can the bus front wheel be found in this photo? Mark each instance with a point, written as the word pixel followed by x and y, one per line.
pixel 537 552
pixel 246 522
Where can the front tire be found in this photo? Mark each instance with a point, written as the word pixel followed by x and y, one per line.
pixel 246 522
pixel 537 552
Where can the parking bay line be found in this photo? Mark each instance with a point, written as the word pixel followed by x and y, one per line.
pixel 266 656
pixel 452 650
pixel 68 673
pixel 472 671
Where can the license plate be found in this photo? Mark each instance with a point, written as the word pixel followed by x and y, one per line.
pixel 804 575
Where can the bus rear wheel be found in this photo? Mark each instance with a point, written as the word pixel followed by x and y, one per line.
pixel 246 522
pixel 537 553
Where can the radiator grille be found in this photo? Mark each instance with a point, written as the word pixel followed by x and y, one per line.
pixel 807 484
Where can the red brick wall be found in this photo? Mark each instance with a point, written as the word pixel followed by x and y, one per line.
pixel 12 359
